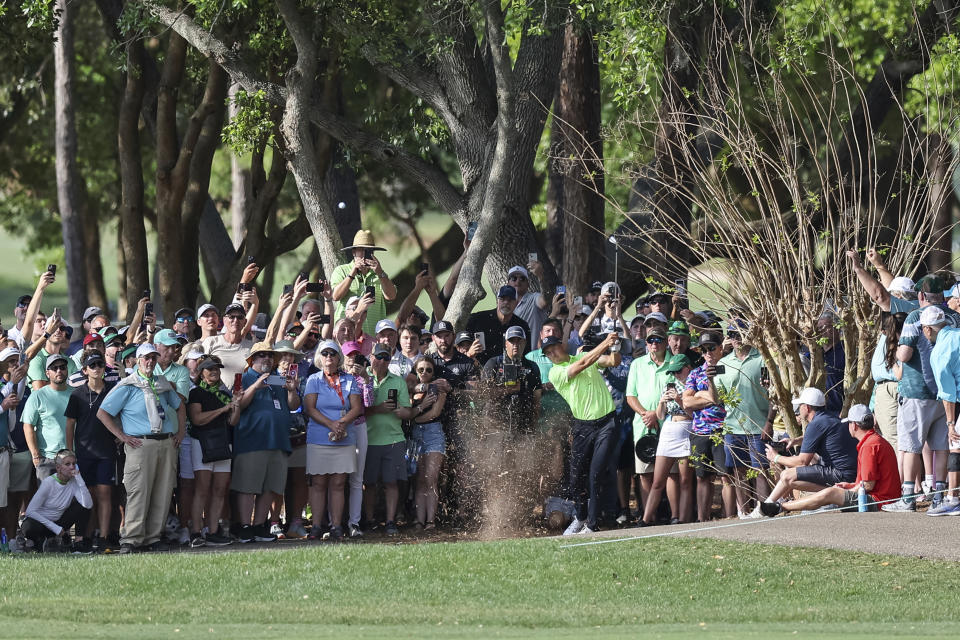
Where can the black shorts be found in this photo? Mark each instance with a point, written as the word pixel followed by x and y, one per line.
pixel 823 476
pixel 707 454
pixel 98 471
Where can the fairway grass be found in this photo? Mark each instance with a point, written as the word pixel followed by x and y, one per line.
pixel 509 589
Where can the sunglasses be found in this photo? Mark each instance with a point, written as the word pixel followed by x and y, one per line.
pixel 424 370
pixel 709 348
pixel 185 319
pixel 654 340
pixel 58 367
pixel 95 365
pixel 327 353
pixel 734 336
pixel 382 356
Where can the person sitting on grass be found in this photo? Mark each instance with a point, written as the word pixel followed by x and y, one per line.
pixel 61 502
pixel 876 472
pixel 827 456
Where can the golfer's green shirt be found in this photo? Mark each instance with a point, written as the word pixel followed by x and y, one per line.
pixel 587 393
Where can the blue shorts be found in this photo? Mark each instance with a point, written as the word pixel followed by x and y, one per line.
pixel 429 438
pixel 744 451
pixel 98 471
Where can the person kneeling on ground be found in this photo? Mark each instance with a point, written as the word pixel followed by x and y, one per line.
pixel 824 437
pixel 61 502
pixel 876 472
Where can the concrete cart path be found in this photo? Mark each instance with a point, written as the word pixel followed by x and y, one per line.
pixel 905 534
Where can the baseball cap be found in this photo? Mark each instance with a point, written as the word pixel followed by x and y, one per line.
pixel 8 353
pixel 210 363
pixel 932 316
pixel 710 338
pixel 857 413
pixel 902 284
pixel 381 348
pixel 93 358
pixel 656 315
pixel 24 300
pixel 193 355
pixel 351 347
pixel 678 328
pixel 91 312
pixel 145 350
pixel 329 344
pixel 657 333
pixel 596 286
pixel 183 312
pixel 352 301
pixel 207 307
pixel 384 325
pixel 67 331
pixel 464 336
pixel 127 351
pixel 92 337
pixel 585 310
pixel 810 396
pixel 518 269
pixel 549 341
pixel 930 283
pixel 676 363
pixel 636 319
pixel 234 306
pixel 515 332
pixel 610 288
pixel 166 337
pixel 54 358
pixel 506 291
pixel 442 325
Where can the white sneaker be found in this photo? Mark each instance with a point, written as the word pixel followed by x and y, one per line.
pixel 900 506
pixel 575 527
pixel 276 530
pixel 585 531
pixel 927 490
pixel 756 513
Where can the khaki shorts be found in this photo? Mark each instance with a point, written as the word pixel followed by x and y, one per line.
pixel 885 411
pixel 257 472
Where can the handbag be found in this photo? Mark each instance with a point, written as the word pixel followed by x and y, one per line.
pixel 214 443
pixel 298 430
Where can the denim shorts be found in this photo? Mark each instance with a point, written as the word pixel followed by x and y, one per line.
pixel 429 438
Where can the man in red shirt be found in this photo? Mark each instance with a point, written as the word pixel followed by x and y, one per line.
pixel 876 471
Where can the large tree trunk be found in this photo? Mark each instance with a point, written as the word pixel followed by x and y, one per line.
pixel 133 236
pixel 70 191
pixel 578 127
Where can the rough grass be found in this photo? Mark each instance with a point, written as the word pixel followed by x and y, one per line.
pixel 523 588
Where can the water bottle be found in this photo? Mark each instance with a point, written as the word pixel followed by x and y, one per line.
pixel 4 543
pixel 862 500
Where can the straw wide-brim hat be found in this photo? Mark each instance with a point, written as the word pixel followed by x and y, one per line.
pixel 260 347
pixel 286 346
pixel 363 239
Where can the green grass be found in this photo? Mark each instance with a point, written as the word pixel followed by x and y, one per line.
pixel 523 588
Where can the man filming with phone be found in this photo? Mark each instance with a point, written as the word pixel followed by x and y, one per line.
pixel 363 275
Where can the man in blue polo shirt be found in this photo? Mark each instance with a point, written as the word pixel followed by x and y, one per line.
pixel 152 425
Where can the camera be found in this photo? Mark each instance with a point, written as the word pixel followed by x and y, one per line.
pixel 392 396
pixel 52 268
pixel 287 288
pixel 370 291
pixel 367 254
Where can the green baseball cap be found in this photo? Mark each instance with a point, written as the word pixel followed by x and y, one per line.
pixel 678 328
pixel 676 363
pixel 930 283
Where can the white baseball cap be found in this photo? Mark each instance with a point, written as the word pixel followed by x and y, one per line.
pixel 145 349
pixel 810 396
pixel 857 413
pixel 519 269
pixel 902 284
pixel 932 316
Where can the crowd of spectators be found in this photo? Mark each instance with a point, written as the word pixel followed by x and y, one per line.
pixel 333 420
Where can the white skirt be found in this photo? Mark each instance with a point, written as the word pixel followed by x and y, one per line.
pixel 674 439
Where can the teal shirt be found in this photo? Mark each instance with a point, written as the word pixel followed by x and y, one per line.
pixel 127 403
pixel 917 381
pixel 748 402
pixel 177 375
pixel 45 410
